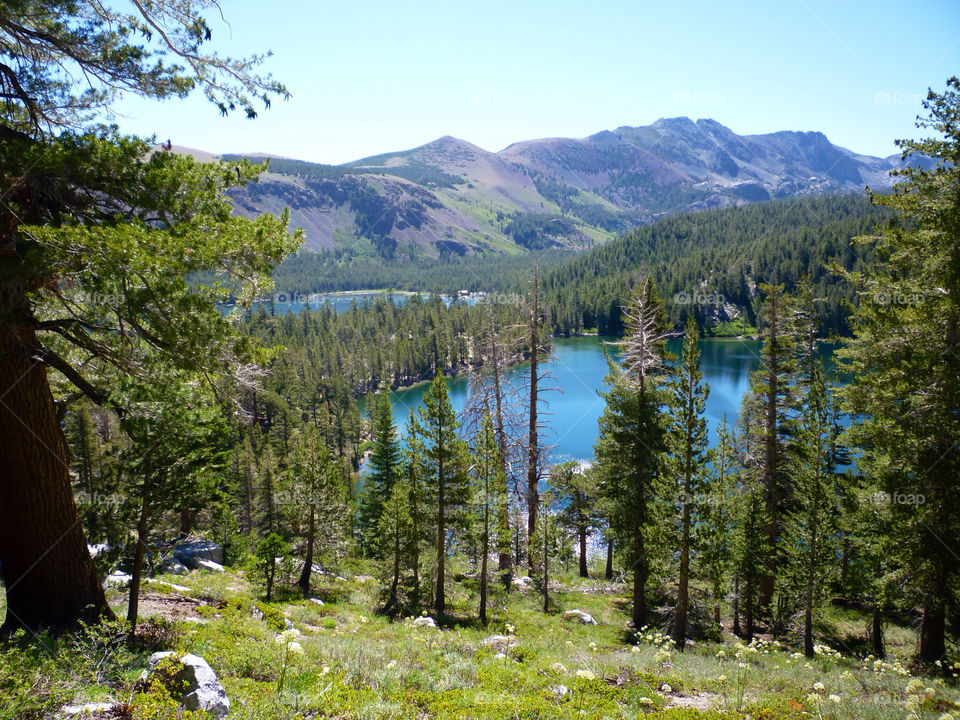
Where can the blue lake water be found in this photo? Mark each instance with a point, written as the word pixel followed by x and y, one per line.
pixel 578 368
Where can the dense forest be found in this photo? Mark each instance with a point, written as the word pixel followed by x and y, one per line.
pixel 138 419
pixel 707 264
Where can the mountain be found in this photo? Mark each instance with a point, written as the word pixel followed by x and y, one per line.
pixel 450 197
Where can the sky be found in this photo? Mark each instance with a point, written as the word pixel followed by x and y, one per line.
pixel 369 77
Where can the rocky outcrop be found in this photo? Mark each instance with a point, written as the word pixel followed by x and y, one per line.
pixel 202 690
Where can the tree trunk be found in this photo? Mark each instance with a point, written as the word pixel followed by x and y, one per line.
pixel 750 629
pixel 440 599
pixel 304 581
pixel 771 471
pixel 186 522
pixel 505 559
pixel 639 615
pixel 683 584
pixel 546 570
pixel 736 606
pixel 49 576
pixel 486 551
pixel 392 598
pixel 582 532
pixel 533 453
pixel 933 626
pixel 808 601
pixel 876 633
pixel 608 571
pixel 143 527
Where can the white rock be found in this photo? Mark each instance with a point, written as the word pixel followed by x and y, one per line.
pixel 210 565
pixel 117 579
pixel 172 586
pixel 499 642
pixel 317 601
pixel 522 583
pixel 425 621
pixel 203 690
pixel 88 709
pixel 174 567
pixel 579 615
pixel 560 691
pixel 95 551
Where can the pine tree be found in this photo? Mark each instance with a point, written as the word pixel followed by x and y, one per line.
pixel 491 487
pixel 447 460
pixel 384 466
pixel 688 458
pixel 772 387
pixel 631 440
pixel 577 493
pixel 717 524
pixel 810 527
pixel 905 364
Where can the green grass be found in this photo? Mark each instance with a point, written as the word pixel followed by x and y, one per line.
pixel 344 661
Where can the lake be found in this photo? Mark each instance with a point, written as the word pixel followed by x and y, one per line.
pixel 578 367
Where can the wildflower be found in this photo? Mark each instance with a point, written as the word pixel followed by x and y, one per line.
pixel 666 688
pixel 586 675
pixel 743 666
pixel 391 665
pixel 833 698
pixel 295 648
pixel 326 670
pixel 645 701
pixel 914 686
pixel 559 667
pixel 819 687
pixel 634 649
pixel 812 700
pixel 722 679
pixel 721 654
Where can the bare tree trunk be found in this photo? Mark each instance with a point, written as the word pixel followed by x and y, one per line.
pixel 639 615
pixel 546 569
pixel 49 576
pixel 440 598
pixel 505 559
pixel 486 553
pixel 933 625
pixel 736 605
pixel 533 453
pixel 186 522
pixel 143 528
pixel 876 633
pixel 808 601
pixel 582 532
pixel 304 581
pixel 608 571
pixel 395 584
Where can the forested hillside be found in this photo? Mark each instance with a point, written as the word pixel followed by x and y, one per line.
pixel 709 264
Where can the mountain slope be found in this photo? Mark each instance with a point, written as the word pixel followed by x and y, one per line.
pixel 450 197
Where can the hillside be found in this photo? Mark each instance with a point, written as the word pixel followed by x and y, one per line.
pixel 452 198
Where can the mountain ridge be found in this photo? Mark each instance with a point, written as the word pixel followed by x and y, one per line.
pixel 451 197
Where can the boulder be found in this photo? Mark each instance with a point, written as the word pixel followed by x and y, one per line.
pixel 202 689
pixel 209 565
pixel 117 579
pixel 425 621
pixel 316 601
pixel 522 583
pixel 190 552
pixel 174 567
pixel 499 642
pixel 580 616
pixel 88 710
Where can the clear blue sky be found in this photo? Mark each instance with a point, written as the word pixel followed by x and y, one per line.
pixel 370 77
